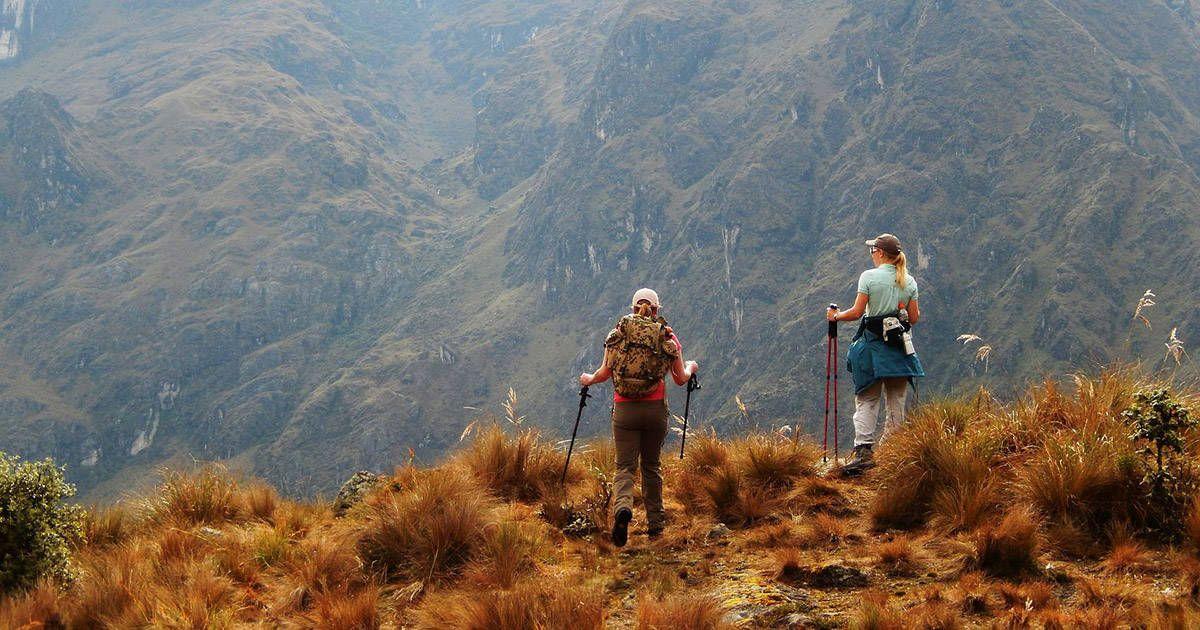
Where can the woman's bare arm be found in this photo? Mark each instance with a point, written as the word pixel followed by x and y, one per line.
pixel 599 376
pixel 914 313
pixel 854 312
pixel 682 371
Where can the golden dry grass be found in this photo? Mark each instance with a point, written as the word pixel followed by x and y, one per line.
pixel 208 496
pixel 508 552
pixel 898 557
pixel 521 466
pixel 745 480
pixel 526 606
pixel 1011 548
pixel 427 530
pixel 876 613
pixel 691 611
pixel 998 489
pixel 105 526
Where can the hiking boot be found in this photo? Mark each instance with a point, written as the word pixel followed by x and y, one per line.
pixel 654 531
pixel 860 461
pixel 620 530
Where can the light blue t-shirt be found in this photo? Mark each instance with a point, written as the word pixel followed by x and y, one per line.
pixel 884 296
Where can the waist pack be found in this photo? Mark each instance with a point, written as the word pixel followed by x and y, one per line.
pixel 889 328
pixel 640 353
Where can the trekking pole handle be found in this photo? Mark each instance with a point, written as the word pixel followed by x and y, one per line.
pixel 693 383
pixel 833 323
pixel 583 396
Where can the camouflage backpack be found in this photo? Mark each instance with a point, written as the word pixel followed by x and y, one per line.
pixel 640 353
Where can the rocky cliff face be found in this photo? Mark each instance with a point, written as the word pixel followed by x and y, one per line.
pixel 27 24
pixel 303 236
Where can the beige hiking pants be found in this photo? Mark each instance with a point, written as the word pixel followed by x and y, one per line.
pixel 866 409
pixel 639 429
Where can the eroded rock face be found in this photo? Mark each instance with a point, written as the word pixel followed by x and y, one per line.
pixel 26 23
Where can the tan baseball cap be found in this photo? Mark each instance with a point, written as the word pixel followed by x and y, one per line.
pixel 645 294
pixel 886 242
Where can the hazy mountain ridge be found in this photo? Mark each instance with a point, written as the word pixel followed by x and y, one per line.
pixel 311 233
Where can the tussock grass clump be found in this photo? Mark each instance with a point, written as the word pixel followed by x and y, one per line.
pixel 971 594
pixel 38 607
pixel 1089 480
pixel 940 465
pixel 1121 594
pixel 898 557
pixel 789 563
pixel 430 528
pixel 508 552
pixel 876 613
pixel 113 588
pixel 823 530
pixel 693 611
pixel 772 461
pixel 774 535
pixel 106 526
pixel 208 496
pixel 354 609
pixel 1127 557
pixel 1028 595
pixel 525 606
pixel 260 501
pixel 1191 525
pixel 1069 456
pixel 523 466
pixel 1189 578
pixel 743 481
pixel 1011 548
pixel 203 599
pixel 321 566
pixel 706 451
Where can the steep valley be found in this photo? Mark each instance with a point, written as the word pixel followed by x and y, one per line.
pixel 306 237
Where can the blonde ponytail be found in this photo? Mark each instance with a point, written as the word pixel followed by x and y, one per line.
pixel 901 270
pixel 644 309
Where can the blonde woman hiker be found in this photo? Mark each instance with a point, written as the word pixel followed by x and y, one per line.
pixel 881 358
pixel 638 354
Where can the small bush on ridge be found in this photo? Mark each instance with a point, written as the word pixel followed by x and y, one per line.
pixel 37 528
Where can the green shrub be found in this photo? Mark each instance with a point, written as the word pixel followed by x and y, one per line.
pixel 1160 424
pixel 37 529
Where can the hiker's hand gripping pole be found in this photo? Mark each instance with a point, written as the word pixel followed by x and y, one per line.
pixel 583 396
pixel 692 385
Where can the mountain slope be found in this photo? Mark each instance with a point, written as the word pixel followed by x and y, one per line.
pixel 304 236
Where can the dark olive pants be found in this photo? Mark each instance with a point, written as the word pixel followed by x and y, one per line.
pixel 639 429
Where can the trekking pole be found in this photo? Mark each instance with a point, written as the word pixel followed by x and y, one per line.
pixel 830 367
pixel 692 385
pixel 583 396
pixel 836 450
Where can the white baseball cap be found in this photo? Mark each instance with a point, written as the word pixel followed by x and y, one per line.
pixel 645 294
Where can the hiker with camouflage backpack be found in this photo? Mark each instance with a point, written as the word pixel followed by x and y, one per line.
pixel 638 354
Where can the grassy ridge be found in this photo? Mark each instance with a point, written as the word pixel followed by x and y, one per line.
pixel 1034 513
